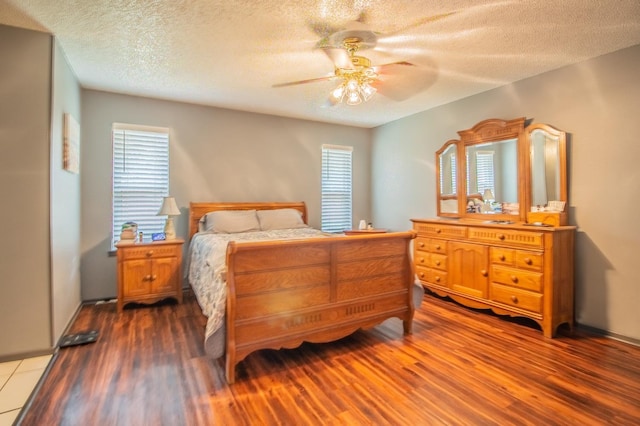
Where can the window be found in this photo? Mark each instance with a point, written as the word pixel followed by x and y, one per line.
pixel 140 177
pixel 336 188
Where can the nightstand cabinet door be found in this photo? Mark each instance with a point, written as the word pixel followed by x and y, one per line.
pixel 136 277
pixel 164 275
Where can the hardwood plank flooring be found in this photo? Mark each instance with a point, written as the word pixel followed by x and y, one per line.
pixel 459 367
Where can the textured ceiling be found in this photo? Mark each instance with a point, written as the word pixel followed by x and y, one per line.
pixel 230 53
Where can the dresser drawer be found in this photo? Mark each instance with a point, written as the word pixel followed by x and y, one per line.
pixel 438 261
pixel 516 278
pixel 146 252
pixel 529 260
pixel 421 244
pixel 438 246
pixel 518 298
pixel 503 256
pixel 507 236
pixel 432 276
pixel 440 230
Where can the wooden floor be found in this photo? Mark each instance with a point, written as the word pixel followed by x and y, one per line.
pixel 460 367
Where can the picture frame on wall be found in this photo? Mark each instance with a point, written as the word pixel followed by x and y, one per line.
pixel 71 145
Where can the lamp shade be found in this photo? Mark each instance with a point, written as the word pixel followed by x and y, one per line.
pixel 169 207
pixel 488 195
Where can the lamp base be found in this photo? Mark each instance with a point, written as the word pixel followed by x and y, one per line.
pixel 169 229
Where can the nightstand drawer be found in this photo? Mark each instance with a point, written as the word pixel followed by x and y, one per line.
pixel 148 251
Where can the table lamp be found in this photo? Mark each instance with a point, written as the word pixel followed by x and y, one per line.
pixel 169 208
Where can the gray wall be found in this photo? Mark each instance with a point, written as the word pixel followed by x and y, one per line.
pixel 65 200
pixel 215 155
pixel 39 259
pixel 597 102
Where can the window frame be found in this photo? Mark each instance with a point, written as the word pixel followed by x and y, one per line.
pixel 337 189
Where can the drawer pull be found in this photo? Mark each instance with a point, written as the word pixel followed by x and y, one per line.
pixel 514 278
pixel 153 277
pixel 514 299
pixel 147 278
pixel 484 273
pixel 150 253
pixel 502 257
pixel 422 260
pixel 438 247
pixel 437 279
pixel 437 263
pixel 438 230
pixel 421 274
pixel 501 236
pixel 528 260
pixel 421 244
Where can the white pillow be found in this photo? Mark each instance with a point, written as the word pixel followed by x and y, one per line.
pixel 230 221
pixel 280 219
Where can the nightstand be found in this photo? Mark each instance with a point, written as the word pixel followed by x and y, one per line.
pixel 149 272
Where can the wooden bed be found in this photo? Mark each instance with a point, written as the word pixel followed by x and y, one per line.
pixel 282 293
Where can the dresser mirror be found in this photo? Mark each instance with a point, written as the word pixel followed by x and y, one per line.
pixel 507 173
pixel 446 169
pixel 547 156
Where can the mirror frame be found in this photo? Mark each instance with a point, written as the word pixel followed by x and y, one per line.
pixel 497 130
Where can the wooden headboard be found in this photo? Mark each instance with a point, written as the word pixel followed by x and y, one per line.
pixel 197 210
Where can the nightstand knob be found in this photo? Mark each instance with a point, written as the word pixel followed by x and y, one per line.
pixel 422 260
pixel 437 262
pixel 528 261
pixel 421 274
pixel 514 278
pixel 514 299
pixel 150 253
pixel 501 237
pixel 421 244
pixel 438 247
pixel 437 279
pixel 484 273
pixel 438 231
pixel 502 257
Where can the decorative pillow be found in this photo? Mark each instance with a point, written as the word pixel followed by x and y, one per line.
pixel 280 219
pixel 230 221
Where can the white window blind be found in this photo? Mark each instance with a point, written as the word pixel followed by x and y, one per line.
pixel 336 188
pixel 485 171
pixel 140 177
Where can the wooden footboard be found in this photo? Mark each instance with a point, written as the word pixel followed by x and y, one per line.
pixel 282 293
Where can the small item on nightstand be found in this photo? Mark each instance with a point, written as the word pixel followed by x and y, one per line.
pixel 363 225
pixel 140 237
pixel 370 226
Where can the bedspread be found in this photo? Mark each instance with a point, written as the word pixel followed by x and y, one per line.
pixel 207 275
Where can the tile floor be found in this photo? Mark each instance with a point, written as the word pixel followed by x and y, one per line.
pixel 17 380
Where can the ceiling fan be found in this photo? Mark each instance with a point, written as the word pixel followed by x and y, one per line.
pixel 359 80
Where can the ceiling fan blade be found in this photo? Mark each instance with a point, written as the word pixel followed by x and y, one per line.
pixel 419 22
pixel 310 80
pixel 391 67
pixel 339 56
pixel 401 80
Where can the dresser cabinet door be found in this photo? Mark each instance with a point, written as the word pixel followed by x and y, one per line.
pixel 469 268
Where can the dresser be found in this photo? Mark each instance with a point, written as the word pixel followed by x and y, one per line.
pixel 149 272
pixel 513 269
